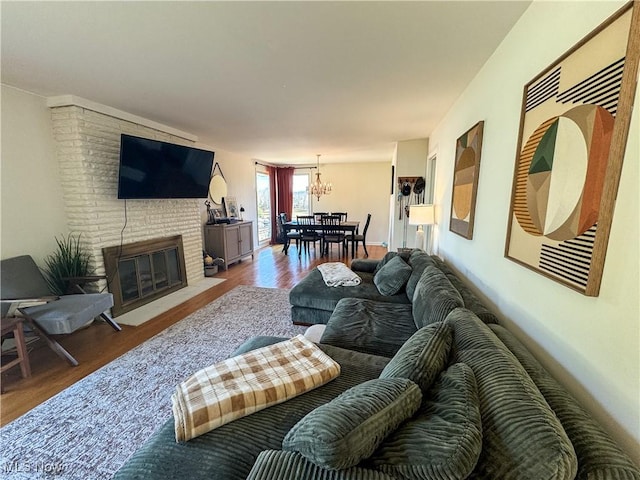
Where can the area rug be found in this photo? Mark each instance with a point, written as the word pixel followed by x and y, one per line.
pixel 90 429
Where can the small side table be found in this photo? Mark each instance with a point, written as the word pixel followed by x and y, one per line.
pixel 15 325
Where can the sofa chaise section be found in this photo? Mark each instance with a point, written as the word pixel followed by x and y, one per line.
pixel 312 301
pixel 229 452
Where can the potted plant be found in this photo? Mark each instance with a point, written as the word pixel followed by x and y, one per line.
pixel 69 260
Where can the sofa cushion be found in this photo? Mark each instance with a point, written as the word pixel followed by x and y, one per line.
pixel 434 297
pixel 392 277
pixel 369 326
pixel 522 437
pixel 281 465
pixel 349 428
pixel 444 439
pixel 422 357
pixel 418 261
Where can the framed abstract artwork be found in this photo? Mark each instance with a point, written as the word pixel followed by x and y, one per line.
pixel 465 181
pixel 573 133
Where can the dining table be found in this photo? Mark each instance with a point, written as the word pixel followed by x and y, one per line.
pixel 350 227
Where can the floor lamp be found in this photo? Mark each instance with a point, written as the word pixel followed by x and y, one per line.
pixel 421 215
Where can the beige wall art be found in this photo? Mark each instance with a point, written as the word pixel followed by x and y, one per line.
pixel 465 181
pixel 573 132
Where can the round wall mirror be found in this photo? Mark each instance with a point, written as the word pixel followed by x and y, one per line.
pixel 217 188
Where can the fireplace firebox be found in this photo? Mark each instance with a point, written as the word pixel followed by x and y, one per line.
pixel 141 272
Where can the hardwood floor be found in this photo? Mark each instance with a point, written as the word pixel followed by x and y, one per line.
pixel 99 344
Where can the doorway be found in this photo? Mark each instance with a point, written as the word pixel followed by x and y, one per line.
pixel 263 193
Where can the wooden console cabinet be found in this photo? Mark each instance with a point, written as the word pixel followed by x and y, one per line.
pixel 231 241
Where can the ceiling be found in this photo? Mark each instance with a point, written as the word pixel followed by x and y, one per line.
pixel 275 81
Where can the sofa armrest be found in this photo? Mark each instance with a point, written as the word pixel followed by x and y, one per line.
pixel 281 465
pixel 364 265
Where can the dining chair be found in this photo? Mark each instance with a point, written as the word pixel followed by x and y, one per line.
pixel 343 215
pixel 318 216
pixel 288 235
pixel 332 233
pixel 307 231
pixel 362 237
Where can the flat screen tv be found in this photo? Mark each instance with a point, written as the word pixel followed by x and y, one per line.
pixel 154 169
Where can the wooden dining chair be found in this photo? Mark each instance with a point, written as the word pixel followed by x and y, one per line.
pixel 290 235
pixel 308 234
pixel 362 237
pixel 318 216
pixel 343 215
pixel 332 233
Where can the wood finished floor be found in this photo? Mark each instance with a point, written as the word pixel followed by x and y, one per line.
pixel 99 344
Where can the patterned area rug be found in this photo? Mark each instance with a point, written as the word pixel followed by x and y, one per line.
pixel 90 429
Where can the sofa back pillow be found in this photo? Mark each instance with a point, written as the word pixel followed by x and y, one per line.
pixel 388 256
pixel 471 301
pixel 392 277
pixel 522 437
pixel 443 439
pixel 349 428
pixel 418 261
pixel 600 456
pixel 422 357
pixel 434 298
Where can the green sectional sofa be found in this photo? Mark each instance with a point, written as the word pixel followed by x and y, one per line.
pixel 430 388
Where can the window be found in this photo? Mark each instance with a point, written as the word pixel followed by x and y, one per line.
pixel 263 192
pixel 300 195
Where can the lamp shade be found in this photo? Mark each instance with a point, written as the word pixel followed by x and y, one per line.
pixel 421 215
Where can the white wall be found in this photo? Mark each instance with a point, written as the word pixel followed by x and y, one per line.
pixel 410 160
pixel 592 345
pixel 31 196
pixel 239 172
pixel 358 189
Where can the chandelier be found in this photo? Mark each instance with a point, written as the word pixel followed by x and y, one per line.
pixel 318 188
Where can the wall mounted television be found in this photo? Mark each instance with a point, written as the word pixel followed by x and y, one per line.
pixel 154 169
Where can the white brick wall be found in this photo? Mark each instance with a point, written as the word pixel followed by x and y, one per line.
pixel 88 150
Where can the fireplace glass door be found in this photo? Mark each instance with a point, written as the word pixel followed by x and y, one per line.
pixel 147 274
pixel 144 271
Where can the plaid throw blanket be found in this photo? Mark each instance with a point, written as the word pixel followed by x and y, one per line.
pixel 247 383
pixel 337 274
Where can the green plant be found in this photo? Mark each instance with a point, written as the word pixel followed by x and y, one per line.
pixel 69 260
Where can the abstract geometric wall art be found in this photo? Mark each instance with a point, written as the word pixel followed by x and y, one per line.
pixel 465 181
pixel 573 132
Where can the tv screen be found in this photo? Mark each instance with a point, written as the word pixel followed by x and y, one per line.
pixel 154 169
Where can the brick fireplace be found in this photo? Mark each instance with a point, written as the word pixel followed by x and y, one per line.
pixel 87 140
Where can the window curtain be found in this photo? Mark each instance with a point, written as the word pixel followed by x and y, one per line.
pixel 281 187
pixel 285 190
